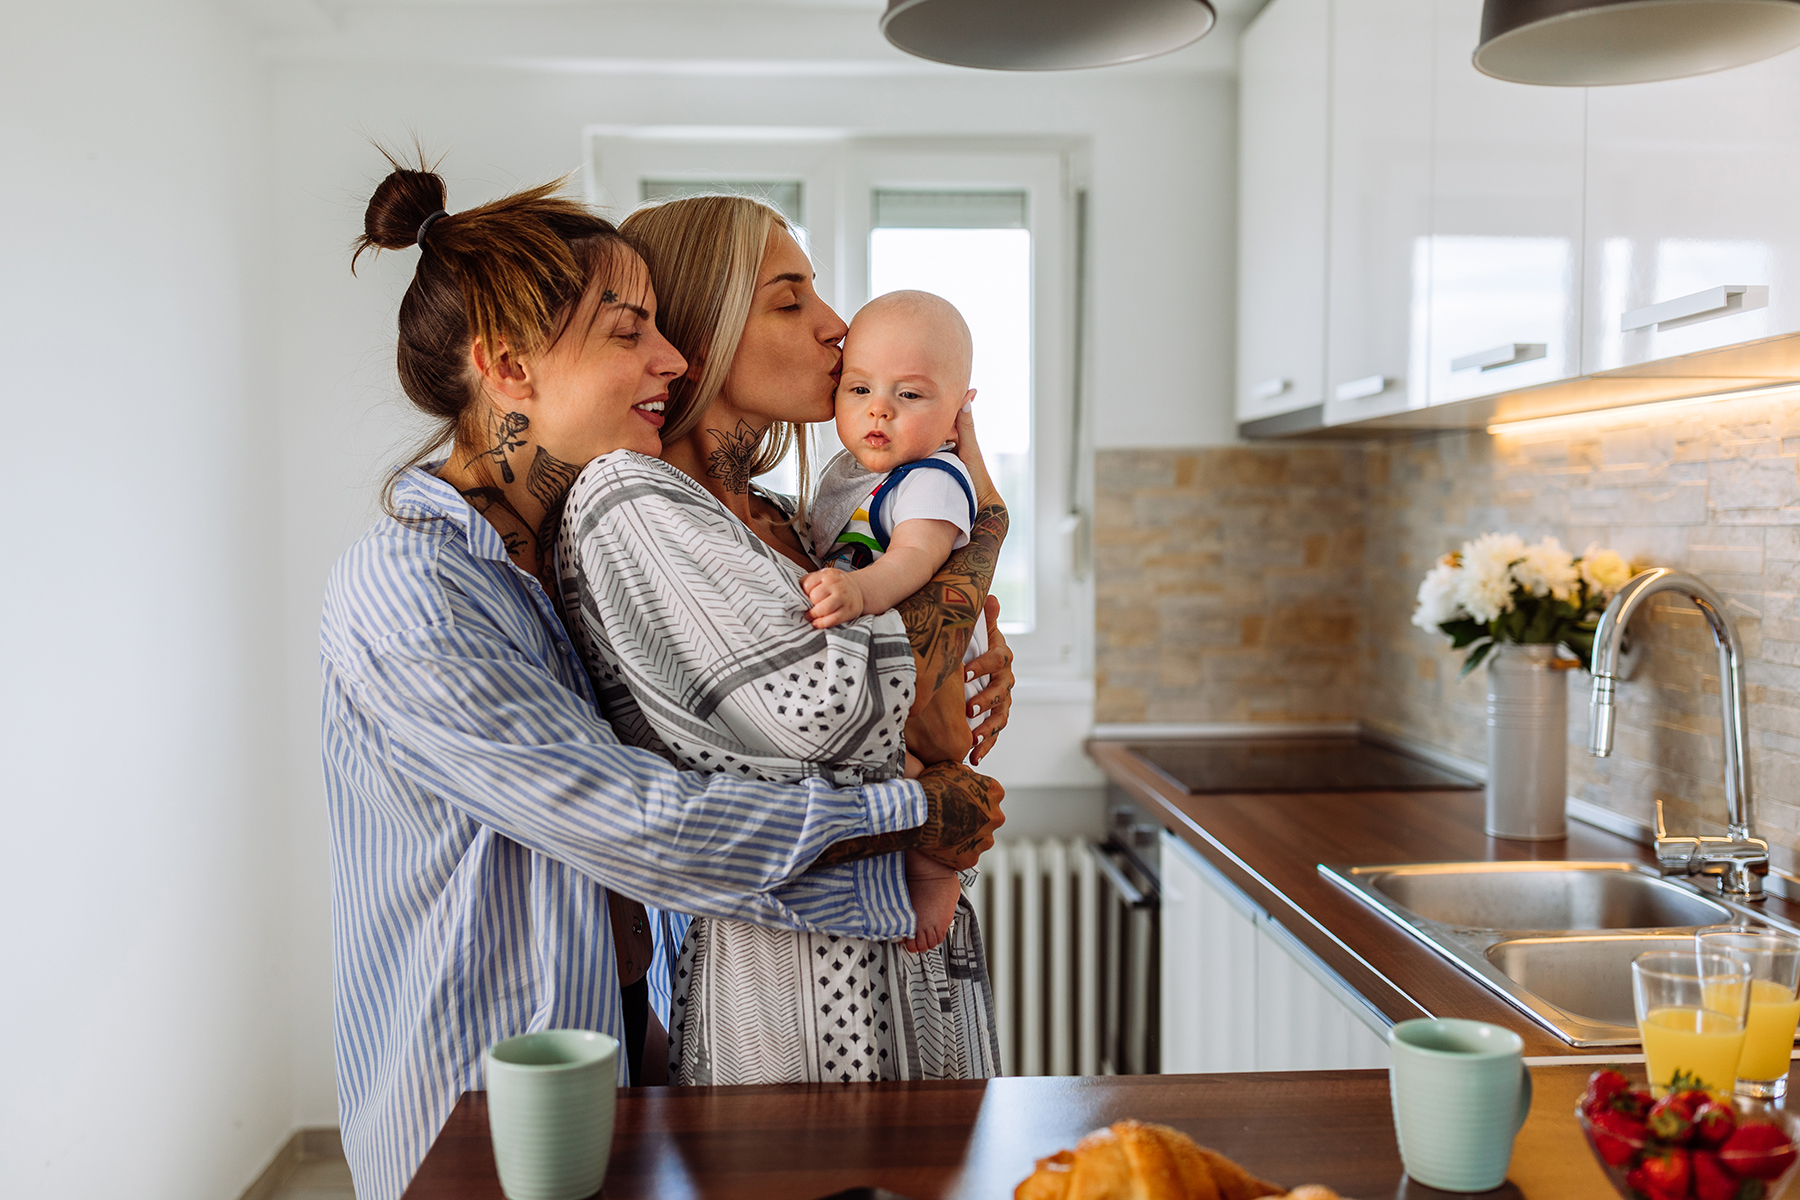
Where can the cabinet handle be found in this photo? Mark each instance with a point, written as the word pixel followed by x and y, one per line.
pixel 1358 389
pixel 1499 356
pixel 1268 389
pixel 1719 299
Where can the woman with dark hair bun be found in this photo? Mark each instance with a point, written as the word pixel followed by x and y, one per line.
pixel 491 838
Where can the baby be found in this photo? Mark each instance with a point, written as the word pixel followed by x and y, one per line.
pixel 894 505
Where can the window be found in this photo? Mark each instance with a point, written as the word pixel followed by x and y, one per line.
pixel 974 249
pixel 984 223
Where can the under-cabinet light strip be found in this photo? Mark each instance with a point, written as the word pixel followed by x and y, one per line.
pixel 1650 407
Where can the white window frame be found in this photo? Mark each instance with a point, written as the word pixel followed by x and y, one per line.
pixel 838 174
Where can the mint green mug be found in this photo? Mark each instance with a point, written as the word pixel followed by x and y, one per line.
pixel 550 1111
pixel 1461 1092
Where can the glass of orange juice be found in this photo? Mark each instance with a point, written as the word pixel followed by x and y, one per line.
pixel 1691 1010
pixel 1774 962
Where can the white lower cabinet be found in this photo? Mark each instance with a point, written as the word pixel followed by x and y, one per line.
pixel 1239 993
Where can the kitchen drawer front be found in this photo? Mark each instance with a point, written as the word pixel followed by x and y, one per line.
pixel 1506 214
pixel 1284 99
pixel 1693 187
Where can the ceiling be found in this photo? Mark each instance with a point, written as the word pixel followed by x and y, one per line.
pixel 748 37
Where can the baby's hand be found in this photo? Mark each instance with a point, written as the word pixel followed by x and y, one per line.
pixel 934 889
pixel 836 597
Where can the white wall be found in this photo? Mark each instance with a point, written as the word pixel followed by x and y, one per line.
pixel 143 899
pixel 203 401
pixel 1163 188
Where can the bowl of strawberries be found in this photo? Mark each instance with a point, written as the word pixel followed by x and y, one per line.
pixel 1690 1144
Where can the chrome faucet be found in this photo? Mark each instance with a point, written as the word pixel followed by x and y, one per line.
pixel 1740 859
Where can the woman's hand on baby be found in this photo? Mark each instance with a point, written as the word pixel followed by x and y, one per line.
pixel 996 698
pixel 962 812
pixel 969 451
pixel 835 596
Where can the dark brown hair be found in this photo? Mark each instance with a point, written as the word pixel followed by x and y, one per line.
pixel 511 271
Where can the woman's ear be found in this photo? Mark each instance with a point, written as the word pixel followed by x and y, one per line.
pixel 969 400
pixel 696 366
pixel 505 376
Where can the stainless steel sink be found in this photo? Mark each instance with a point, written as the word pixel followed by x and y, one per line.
pixel 1556 939
pixel 1587 980
pixel 1541 895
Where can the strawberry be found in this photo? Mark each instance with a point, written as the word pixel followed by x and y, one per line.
pixel 1602 1086
pixel 1711 1180
pixel 1666 1173
pixel 1691 1100
pixel 1617 1137
pixel 1758 1150
pixel 1713 1123
pixel 1637 1181
pixel 1670 1118
pixel 1634 1103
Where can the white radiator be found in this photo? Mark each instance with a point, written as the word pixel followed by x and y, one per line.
pixel 1071 959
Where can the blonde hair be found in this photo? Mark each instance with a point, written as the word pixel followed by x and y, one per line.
pixel 704 253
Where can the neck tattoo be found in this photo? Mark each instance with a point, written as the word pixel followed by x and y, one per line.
pixel 730 463
pixel 506 440
pixel 549 481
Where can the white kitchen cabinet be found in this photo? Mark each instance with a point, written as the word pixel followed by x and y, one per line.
pixel 1305 1022
pixel 1239 993
pixel 1380 227
pixel 1207 968
pixel 1693 186
pixel 1284 104
pixel 1506 223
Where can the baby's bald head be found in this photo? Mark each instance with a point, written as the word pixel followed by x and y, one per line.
pixel 905 376
pixel 930 321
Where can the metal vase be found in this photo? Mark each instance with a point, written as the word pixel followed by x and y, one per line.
pixel 1528 744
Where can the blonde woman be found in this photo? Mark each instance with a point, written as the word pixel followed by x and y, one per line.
pixel 680 580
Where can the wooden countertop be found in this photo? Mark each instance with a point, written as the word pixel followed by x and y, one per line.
pixel 1271 845
pixel 975 1140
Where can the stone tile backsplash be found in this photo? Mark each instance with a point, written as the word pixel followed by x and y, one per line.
pixel 1276 582
pixel 1229 583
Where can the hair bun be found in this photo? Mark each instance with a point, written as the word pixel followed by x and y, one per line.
pixel 402 202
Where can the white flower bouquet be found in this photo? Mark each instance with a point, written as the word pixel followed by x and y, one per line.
pixel 1498 589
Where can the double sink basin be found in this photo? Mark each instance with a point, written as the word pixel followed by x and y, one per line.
pixel 1555 939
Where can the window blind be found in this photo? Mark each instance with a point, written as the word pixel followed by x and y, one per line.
pixel 906 209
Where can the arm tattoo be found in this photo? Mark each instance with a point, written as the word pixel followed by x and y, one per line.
pixel 506 439
pixel 549 480
pixel 730 463
pixel 941 616
pixel 874 846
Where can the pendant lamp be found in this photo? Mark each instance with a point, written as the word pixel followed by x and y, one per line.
pixel 1579 43
pixel 1044 35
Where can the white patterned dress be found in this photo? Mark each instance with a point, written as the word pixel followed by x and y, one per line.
pixel 693 631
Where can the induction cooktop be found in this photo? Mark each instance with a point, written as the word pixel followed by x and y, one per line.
pixel 1323 764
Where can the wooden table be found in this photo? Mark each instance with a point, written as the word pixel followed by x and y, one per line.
pixel 969 1140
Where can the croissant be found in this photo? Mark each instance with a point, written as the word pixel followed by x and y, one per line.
pixel 1133 1160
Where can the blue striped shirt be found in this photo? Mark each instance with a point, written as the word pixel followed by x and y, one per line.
pixel 480 808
